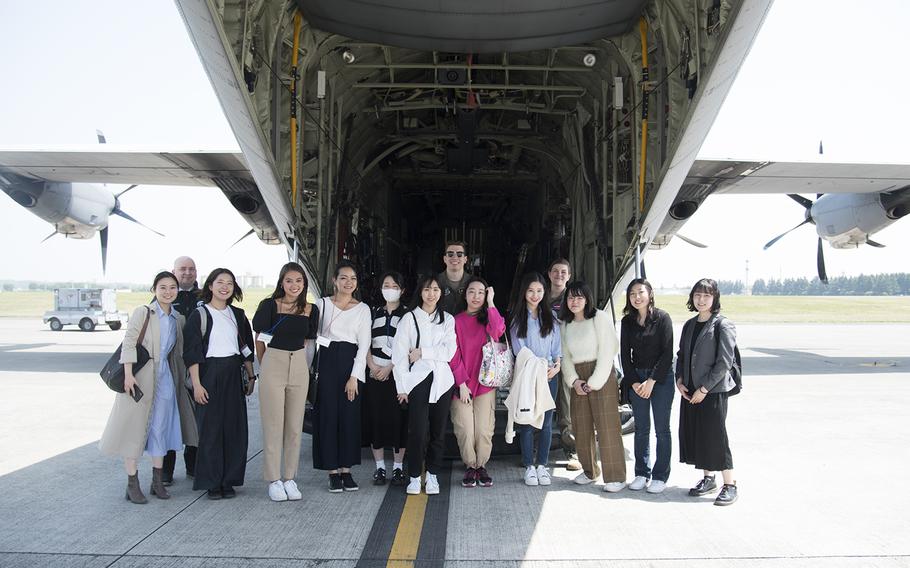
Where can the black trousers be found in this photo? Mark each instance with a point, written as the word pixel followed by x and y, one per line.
pixel 336 420
pixel 426 428
pixel 222 423
pixel 189 456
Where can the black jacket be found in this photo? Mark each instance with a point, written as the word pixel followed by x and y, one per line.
pixel 195 345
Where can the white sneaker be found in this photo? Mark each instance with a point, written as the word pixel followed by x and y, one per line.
pixel 543 475
pixel 638 483
pixel 531 476
pixel 657 486
pixel 277 492
pixel 614 486
pixel 583 479
pixel 432 484
pixel 414 486
pixel 290 487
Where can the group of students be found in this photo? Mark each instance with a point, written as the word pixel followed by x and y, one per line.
pixel 391 377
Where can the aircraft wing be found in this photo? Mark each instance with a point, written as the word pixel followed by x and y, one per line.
pixel 125 167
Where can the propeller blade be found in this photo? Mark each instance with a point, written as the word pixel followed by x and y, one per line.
pixel 101 137
pixel 103 236
pixel 691 242
pixel 125 190
pixel 872 243
pixel 822 275
pixel 128 217
pixel 800 199
pixel 248 233
pixel 778 237
pixel 49 236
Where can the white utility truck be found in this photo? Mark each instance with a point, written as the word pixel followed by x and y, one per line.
pixel 85 307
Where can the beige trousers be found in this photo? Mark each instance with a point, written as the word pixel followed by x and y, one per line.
pixel 284 382
pixel 598 411
pixel 474 423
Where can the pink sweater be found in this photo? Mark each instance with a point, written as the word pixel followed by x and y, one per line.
pixel 470 338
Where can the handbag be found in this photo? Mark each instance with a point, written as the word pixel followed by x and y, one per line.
pixel 113 373
pixel 314 366
pixel 496 365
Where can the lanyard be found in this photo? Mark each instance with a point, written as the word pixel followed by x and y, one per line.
pixel 271 330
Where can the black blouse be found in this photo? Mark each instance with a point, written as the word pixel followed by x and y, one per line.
pixel 288 331
pixel 646 347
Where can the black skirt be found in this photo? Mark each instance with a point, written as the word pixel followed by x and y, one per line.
pixel 385 423
pixel 703 433
pixel 336 420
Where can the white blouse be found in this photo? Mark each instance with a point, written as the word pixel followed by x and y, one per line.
pixel 223 338
pixel 437 347
pixel 353 325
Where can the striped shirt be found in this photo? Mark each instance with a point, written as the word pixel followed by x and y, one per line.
pixel 384 326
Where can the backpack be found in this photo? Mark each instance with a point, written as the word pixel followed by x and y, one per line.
pixel 736 371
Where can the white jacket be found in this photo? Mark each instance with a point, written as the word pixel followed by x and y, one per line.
pixel 529 396
pixel 437 345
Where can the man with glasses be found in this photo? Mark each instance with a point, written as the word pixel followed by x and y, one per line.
pixel 559 273
pixel 454 277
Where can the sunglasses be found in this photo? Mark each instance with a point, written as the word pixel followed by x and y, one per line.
pixel 453 253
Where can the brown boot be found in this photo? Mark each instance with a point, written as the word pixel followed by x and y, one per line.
pixel 157 489
pixel 133 492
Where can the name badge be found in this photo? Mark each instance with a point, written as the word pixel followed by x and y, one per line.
pixel 246 351
pixel 323 341
pixel 264 337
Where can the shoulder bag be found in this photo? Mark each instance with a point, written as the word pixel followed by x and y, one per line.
pixel 314 366
pixel 113 373
pixel 736 370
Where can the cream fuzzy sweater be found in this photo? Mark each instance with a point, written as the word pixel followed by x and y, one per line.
pixel 589 340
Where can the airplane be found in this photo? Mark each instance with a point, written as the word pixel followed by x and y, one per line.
pixel 378 131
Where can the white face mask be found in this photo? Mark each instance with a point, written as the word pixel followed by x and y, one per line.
pixel 391 294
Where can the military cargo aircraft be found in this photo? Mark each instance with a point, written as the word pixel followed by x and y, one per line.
pixel 377 131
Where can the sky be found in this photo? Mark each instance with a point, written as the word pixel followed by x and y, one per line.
pixel 819 70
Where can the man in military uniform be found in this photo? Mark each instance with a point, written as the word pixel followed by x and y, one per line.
pixel 454 278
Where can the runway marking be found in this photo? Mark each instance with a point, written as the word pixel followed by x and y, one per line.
pixel 407 537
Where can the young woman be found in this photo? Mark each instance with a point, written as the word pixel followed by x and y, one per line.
pixel 385 421
pixel 646 352
pixel 343 343
pixel 533 326
pixel 283 324
pixel 424 344
pixel 162 419
pixel 214 352
pixel 589 345
pixel 703 362
pixel 474 405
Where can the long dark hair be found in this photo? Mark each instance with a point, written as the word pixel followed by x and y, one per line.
pixel 520 309
pixel 439 316
pixel 279 288
pixel 707 286
pixel 481 315
pixel 577 288
pixel 206 293
pixel 161 276
pixel 629 309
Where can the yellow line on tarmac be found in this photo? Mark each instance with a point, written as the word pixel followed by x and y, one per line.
pixel 407 537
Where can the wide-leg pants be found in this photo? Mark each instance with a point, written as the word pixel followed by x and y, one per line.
pixel 222 424
pixel 598 412
pixel 336 420
pixel 284 381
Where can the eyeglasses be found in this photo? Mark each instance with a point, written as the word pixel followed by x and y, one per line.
pixel 454 253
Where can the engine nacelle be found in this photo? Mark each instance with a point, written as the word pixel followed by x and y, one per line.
pixel 77 210
pixel 847 219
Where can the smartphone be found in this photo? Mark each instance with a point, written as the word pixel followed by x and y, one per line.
pixel 137 393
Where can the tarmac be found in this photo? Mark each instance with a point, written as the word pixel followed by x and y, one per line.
pixel 820 439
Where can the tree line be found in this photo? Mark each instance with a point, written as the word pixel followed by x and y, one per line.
pixel 896 284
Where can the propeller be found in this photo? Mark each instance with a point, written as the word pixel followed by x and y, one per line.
pixel 248 233
pixel 692 242
pixel 103 237
pixel 872 243
pixel 820 259
pixel 103 234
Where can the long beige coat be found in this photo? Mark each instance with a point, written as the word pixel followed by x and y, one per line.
pixel 127 427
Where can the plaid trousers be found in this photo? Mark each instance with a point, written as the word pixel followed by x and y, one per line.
pixel 595 416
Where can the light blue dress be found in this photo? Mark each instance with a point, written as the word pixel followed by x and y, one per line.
pixel 164 423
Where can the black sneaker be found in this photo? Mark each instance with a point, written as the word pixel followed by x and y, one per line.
pixel 703 487
pixel 214 494
pixel 470 478
pixel 398 477
pixel 228 492
pixel 379 476
pixel 483 477
pixel 347 481
pixel 727 496
pixel 335 485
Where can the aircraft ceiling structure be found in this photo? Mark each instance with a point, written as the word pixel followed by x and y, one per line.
pixel 356 101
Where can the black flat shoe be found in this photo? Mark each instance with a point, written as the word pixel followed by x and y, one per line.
pixel 727 496
pixel 348 483
pixel 228 492
pixel 703 487
pixel 335 485
pixel 214 494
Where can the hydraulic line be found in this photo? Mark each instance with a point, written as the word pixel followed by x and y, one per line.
pixel 645 80
pixel 294 78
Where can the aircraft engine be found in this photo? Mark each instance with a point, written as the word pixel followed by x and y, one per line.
pixel 847 219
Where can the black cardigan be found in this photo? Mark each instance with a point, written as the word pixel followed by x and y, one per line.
pixel 195 345
pixel 648 347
